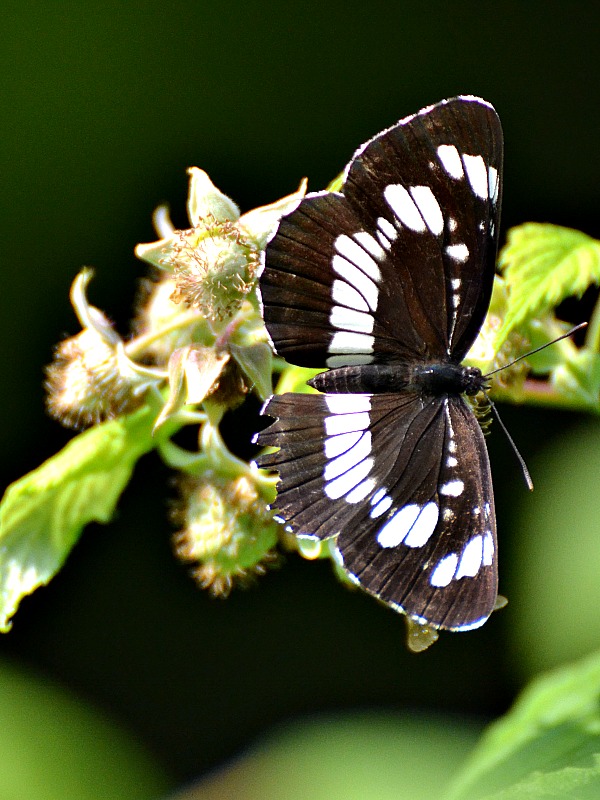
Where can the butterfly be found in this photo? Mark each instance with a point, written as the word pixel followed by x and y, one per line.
pixel 386 285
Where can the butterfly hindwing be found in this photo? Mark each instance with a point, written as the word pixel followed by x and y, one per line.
pixel 413 513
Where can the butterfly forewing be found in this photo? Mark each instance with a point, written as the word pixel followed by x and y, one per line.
pixel 351 278
pixel 436 177
pixel 390 277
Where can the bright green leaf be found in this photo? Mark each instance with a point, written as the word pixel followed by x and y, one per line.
pixel 43 513
pixel 548 745
pixel 293 379
pixel 542 265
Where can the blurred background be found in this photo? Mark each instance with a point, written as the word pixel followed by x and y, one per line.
pixel 104 106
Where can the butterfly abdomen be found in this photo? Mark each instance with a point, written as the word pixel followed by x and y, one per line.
pixel 429 379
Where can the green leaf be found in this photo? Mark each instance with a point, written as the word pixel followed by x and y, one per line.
pixel 43 513
pixel 542 265
pixel 193 370
pixel 548 745
pixel 579 378
pixel 293 379
pixel 256 362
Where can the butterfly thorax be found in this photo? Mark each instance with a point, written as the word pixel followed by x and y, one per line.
pixel 448 378
pixel 436 378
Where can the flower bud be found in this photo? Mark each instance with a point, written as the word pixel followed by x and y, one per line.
pixel 84 382
pixel 227 531
pixel 214 266
pixel 161 320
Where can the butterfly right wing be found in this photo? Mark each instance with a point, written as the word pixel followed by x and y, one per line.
pixel 412 512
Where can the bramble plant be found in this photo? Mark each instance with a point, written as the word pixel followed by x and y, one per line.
pixel 198 347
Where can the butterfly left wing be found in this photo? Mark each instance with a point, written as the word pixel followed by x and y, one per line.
pixel 413 513
pixel 400 266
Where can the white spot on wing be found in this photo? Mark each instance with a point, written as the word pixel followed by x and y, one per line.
pixel 470 560
pixel 444 571
pixel 381 506
pixel 477 174
pixel 424 526
pixel 493 183
pixel 429 208
pixel 397 528
pixel 404 207
pixel 336 445
pixel 346 342
pixel 379 495
pixel 345 483
pixel 361 491
pixel 347 295
pixel 370 243
pixel 351 250
pixel 352 457
pixel 386 227
pixel 458 252
pixel 346 423
pixel 348 403
pixel 351 320
pixel 347 360
pixel 488 549
pixel 412 525
pixel 356 278
pixel 452 488
pixel 450 160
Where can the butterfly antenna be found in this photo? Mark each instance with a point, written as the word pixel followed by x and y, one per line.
pixel 537 349
pixel 521 460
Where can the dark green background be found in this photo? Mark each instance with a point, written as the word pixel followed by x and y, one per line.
pixel 103 108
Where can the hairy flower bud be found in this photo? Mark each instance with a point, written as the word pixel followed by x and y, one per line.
pixel 214 266
pixel 228 532
pixel 84 382
pixel 91 378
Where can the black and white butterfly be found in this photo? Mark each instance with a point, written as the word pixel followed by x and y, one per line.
pixel 387 285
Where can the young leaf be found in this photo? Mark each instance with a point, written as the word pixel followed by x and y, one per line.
pixel 548 745
pixel 43 513
pixel 542 265
pixel 255 361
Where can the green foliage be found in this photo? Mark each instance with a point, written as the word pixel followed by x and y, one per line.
pixel 42 514
pixel 54 746
pixel 548 745
pixel 553 615
pixel 360 756
pixel 541 266
pixel 544 264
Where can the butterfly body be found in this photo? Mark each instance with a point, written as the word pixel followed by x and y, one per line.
pixel 386 285
pixel 430 379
